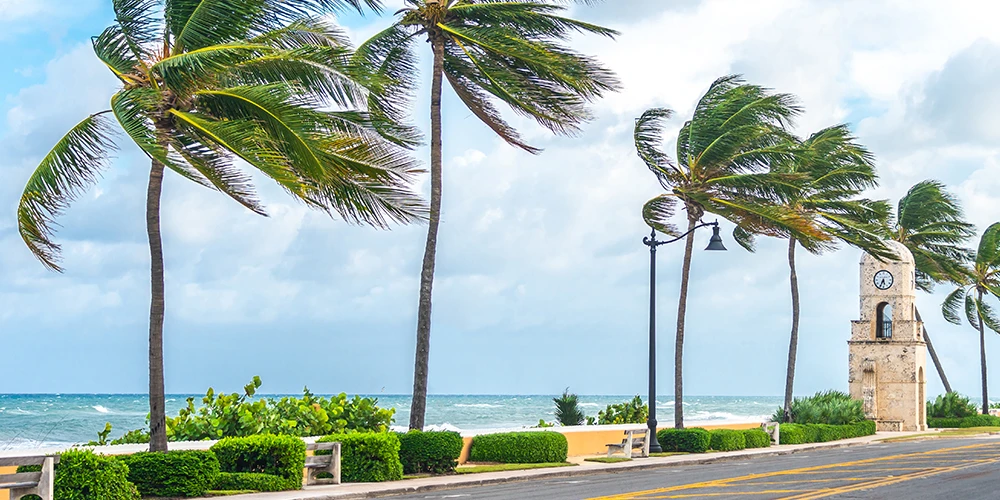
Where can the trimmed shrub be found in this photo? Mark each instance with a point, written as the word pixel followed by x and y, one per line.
pixel 84 475
pixel 727 440
pixel 282 456
pixel 520 448
pixel 944 423
pixel 367 457
pixel 172 474
pixel 255 481
pixel 434 452
pixel 980 421
pixel 864 428
pixel 951 405
pixel 791 434
pixel 693 440
pixel 821 433
pixel 756 438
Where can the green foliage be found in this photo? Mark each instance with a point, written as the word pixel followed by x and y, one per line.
pixel 944 423
pixel 692 440
pixel 756 438
pixel 172 474
pixel 235 415
pixel 727 440
pixel 282 456
pixel 367 457
pixel 245 481
pixel 980 421
pixel 629 412
pixel 568 410
pixel 951 405
pixel 830 407
pixel 520 447
pixel 84 475
pixel 819 433
pixel 136 436
pixel 434 452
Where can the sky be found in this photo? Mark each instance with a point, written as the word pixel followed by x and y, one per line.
pixel 542 278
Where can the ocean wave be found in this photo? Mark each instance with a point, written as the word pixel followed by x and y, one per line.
pixel 19 411
pixel 18 443
pixel 724 416
pixel 476 405
pixel 591 405
pixel 101 409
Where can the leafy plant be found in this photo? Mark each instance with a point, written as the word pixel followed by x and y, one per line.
pixel 433 452
pixel 204 84
pixel 692 440
pixel 727 440
pixel 976 420
pixel 815 433
pixel 951 405
pixel 629 412
pixel 520 447
pixel 830 407
pixel 84 475
pixel 249 481
pixel 568 410
pixel 282 456
pixel 756 438
pixel 368 457
pixel 172 474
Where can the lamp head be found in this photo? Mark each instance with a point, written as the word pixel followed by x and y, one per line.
pixel 715 244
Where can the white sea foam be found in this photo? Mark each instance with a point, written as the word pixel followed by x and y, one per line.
pixel 101 409
pixel 476 405
pixel 591 405
pixel 19 411
pixel 722 416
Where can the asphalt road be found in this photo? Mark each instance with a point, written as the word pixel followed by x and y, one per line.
pixel 940 468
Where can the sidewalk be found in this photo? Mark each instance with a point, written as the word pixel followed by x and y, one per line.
pixel 409 486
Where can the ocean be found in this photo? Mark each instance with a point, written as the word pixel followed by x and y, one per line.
pixel 39 420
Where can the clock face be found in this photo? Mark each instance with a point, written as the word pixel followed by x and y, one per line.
pixel 883 280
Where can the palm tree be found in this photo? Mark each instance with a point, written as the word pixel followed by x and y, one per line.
pixel 489 51
pixel 836 170
pixel 723 155
pixel 205 83
pixel 982 279
pixel 930 222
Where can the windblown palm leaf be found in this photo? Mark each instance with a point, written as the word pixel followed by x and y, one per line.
pixel 208 82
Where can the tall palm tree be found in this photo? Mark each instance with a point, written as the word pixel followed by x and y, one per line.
pixel 982 279
pixel 930 222
pixel 724 153
pixel 205 83
pixel 489 51
pixel 835 169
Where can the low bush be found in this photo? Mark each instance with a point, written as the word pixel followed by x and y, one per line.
pixel 367 457
pixel 727 440
pixel 944 423
pixel 951 405
pixel 520 448
pixel 434 452
pixel 830 407
pixel 84 475
pixel 172 474
pixel 756 438
pixel 693 440
pixel 821 433
pixel 980 421
pixel 791 434
pixel 249 481
pixel 282 456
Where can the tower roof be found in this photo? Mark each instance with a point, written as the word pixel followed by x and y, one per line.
pixel 903 254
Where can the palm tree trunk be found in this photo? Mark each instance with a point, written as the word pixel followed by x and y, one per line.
pixel 418 406
pixel 793 342
pixel 934 356
pixel 157 396
pixel 982 357
pixel 679 340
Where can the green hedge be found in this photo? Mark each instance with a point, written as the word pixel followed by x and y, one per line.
pixel 83 475
pixel 255 481
pixel 367 457
pixel 944 423
pixel 520 448
pixel 172 474
pixel 693 440
pixel 434 452
pixel 820 433
pixel 756 438
pixel 973 421
pixel 727 440
pixel 282 456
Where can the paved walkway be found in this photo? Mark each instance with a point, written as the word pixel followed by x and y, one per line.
pixel 410 486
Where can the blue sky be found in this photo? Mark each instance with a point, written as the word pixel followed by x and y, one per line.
pixel 542 277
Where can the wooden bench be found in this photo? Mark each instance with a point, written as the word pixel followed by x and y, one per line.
pixel 319 464
pixel 634 438
pixel 29 483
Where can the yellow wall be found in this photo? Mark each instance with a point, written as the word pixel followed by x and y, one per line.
pixel 594 440
pixel 4 494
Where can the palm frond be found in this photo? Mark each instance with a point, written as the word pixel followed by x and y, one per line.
pixel 478 102
pixel 112 48
pixel 658 213
pixel 391 81
pixel 972 310
pixel 139 24
pixel 988 255
pixel 73 164
pixel 648 134
pixel 988 316
pixel 746 239
pixel 952 306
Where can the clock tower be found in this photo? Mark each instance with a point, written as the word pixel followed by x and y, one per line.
pixel 888 356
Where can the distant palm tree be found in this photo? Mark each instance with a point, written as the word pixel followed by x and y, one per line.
pixel 205 83
pixel 982 279
pixel 724 153
pixel 488 51
pixel 930 222
pixel 836 170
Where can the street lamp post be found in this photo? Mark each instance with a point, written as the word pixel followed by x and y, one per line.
pixel 714 244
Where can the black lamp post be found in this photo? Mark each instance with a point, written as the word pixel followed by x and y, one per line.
pixel 714 244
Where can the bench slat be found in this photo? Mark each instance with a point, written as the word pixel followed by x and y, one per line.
pixel 16 461
pixel 322 460
pixel 23 477
pixel 320 446
pixel 17 486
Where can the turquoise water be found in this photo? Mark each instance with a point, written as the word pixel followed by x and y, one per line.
pixel 33 420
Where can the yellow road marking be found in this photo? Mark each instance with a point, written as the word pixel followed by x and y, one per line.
pixel 870 482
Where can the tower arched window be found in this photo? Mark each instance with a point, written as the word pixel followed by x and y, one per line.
pixel 883 321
